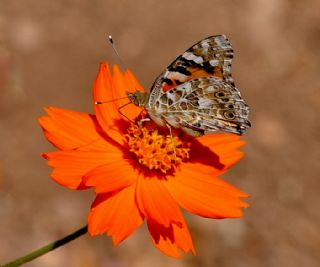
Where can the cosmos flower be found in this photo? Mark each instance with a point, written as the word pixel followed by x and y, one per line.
pixel 134 169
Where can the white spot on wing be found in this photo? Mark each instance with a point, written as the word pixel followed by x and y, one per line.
pixel 191 56
pixel 210 89
pixel 174 75
pixel 205 44
pixel 187 87
pixel 214 62
pixel 171 97
pixel 198 60
pixel 222 42
pixel 204 102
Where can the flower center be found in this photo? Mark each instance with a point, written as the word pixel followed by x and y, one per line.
pixel 155 150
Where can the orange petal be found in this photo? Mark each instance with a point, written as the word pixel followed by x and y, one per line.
pixel 115 214
pixel 126 83
pixel 111 87
pixel 68 130
pixel 71 166
pixel 155 202
pixel 111 177
pixel 172 238
pixel 197 190
pixel 222 150
pixel 108 113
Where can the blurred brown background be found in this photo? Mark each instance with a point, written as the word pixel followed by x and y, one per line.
pixel 49 55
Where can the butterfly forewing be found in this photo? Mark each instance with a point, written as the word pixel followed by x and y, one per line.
pixel 211 56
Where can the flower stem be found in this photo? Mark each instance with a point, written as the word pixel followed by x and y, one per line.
pixel 41 251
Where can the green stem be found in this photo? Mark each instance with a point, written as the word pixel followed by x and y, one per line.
pixel 41 251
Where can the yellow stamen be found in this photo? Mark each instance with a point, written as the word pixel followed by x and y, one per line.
pixel 155 150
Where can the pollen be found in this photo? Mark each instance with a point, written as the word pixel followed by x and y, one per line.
pixel 154 150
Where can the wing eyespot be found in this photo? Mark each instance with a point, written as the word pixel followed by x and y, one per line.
pixel 229 115
pixel 220 94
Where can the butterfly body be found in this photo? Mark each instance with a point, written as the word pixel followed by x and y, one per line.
pixel 196 93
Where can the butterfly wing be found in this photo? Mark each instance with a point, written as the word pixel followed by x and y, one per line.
pixel 196 92
pixel 203 105
pixel 211 56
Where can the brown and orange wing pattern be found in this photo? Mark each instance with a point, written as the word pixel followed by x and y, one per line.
pixel 196 93
pixel 211 56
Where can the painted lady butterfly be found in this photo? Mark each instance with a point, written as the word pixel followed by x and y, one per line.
pixel 196 92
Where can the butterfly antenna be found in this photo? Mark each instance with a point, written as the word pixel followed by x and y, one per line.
pixel 116 52
pixel 119 109
pixel 104 102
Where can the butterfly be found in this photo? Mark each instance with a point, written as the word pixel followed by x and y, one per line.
pixel 196 92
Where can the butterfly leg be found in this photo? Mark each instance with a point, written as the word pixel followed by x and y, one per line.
pixel 119 110
pixel 173 145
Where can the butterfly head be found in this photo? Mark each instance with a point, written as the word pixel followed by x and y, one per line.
pixel 138 98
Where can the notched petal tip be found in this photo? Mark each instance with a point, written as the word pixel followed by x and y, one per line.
pixel 198 190
pixel 171 240
pixel 115 214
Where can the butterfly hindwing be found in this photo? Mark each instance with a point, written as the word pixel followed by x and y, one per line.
pixel 204 105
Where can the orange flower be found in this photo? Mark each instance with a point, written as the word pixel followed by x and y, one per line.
pixel 134 170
